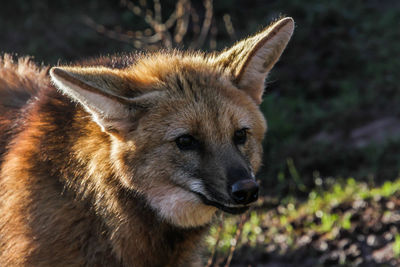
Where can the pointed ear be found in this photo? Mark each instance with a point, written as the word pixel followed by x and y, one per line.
pixel 251 59
pixel 105 93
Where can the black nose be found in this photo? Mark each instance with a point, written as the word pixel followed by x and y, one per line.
pixel 244 191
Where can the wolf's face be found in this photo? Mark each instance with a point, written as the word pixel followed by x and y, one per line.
pixel 185 129
pixel 204 136
pixel 212 145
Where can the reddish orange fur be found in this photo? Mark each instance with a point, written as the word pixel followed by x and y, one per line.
pixel 76 194
pixel 42 218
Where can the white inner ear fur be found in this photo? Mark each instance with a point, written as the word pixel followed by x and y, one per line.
pixel 255 71
pixel 106 111
pixel 179 207
pixel 96 104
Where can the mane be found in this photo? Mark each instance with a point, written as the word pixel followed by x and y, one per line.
pixel 19 81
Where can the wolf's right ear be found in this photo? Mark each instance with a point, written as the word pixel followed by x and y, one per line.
pixel 105 93
pixel 250 60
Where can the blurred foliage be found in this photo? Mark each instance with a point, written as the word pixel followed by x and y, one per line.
pixel 336 215
pixel 339 73
pixel 319 213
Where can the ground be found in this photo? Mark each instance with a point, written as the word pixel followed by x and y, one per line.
pixel 350 224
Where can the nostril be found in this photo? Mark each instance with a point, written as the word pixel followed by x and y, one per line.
pixel 240 195
pixel 245 191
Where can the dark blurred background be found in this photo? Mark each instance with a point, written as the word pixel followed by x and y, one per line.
pixel 332 102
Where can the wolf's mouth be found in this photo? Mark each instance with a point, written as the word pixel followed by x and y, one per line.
pixel 232 210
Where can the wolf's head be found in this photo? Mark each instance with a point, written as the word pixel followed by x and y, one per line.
pixel 185 129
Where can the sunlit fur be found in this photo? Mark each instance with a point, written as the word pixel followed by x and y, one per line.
pixel 90 171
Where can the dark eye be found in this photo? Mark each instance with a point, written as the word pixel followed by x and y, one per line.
pixel 240 136
pixel 186 142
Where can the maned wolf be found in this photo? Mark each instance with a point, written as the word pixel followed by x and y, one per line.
pixel 123 161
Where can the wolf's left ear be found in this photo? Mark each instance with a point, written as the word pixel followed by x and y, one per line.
pixel 251 59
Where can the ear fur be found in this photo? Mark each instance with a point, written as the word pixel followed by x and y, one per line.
pixel 104 93
pixel 251 59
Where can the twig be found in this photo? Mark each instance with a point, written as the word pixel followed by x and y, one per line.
pixel 182 21
pixel 217 241
pixel 238 233
pixel 173 17
pixel 229 26
pixel 157 11
pixel 170 33
pixel 127 37
pixel 208 5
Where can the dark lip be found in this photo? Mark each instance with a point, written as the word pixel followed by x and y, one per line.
pixel 220 206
